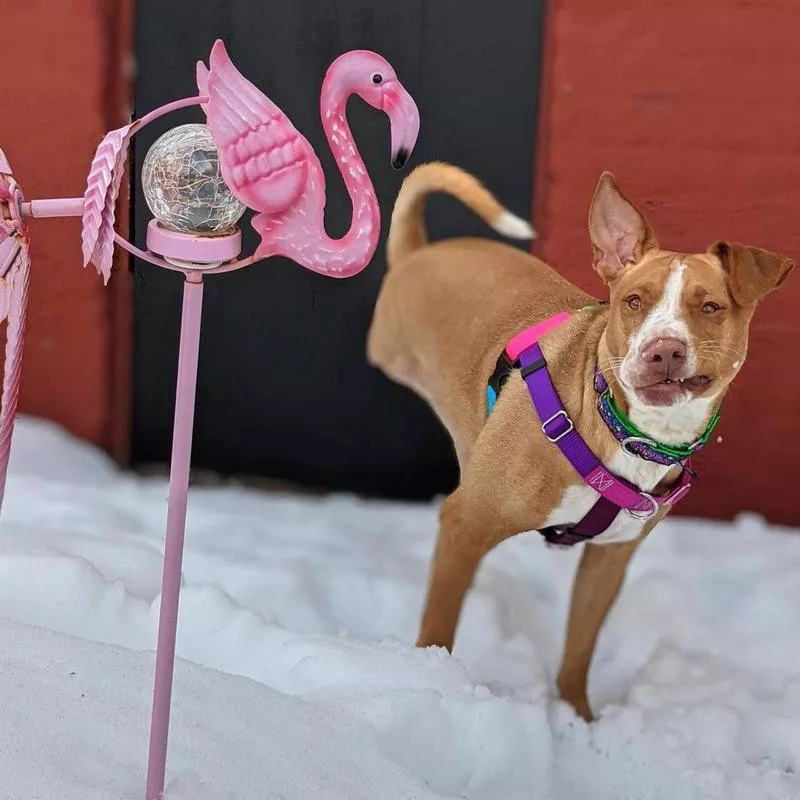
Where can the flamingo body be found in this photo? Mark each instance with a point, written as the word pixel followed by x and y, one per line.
pixel 271 167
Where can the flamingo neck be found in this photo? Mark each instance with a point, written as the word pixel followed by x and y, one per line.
pixel 357 246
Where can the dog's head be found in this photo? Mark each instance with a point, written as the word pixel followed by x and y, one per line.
pixel 678 323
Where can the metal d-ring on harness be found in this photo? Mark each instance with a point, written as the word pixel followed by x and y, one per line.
pixel 615 494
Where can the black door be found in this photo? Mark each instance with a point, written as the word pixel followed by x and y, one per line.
pixel 284 388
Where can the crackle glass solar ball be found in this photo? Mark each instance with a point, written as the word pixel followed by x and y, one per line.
pixel 183 183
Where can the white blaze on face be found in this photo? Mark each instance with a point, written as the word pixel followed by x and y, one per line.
pixel 665 321
pixel 685 419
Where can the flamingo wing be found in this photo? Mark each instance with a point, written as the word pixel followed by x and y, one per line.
pixel 14 289
pixel 264 159
pixel 100 199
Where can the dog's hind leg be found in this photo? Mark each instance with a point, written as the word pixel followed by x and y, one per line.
pixel 460 546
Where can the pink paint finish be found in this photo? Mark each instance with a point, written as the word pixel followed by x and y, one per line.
pixel 100 200
pixel 200 250
pixel 183 424
pixel 14 281
pixel 271 167
pixel 59 207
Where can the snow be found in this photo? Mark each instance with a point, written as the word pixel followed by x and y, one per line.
pixel 297 678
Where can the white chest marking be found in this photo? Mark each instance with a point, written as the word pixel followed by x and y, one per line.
pixel 577 500
pixel 681 423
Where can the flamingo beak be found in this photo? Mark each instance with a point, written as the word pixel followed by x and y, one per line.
pixel 404 120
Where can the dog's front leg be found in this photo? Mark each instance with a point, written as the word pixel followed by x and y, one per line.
pixel 460 546
pixel 597 583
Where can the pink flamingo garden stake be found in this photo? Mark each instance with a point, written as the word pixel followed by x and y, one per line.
pixel 255 158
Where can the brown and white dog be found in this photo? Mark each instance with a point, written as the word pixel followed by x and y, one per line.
pixel 669 343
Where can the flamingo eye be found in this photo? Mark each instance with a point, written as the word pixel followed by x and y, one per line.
pixel 377 78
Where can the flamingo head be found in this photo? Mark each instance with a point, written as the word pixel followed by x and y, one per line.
pixel 374 80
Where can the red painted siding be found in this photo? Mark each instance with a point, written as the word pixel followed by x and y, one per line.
pixel 694 107
pixel 54 107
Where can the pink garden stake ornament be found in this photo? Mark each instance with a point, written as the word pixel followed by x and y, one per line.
pixel 198 180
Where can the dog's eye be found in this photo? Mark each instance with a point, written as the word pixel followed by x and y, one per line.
pixel 377 78
pixel 710 308
pixel 634 302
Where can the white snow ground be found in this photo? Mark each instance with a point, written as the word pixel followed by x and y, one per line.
pixel 298 679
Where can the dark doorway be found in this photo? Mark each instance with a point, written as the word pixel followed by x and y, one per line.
pixel 284 388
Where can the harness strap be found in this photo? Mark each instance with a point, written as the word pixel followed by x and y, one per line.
pixel 531 336
pixel 616 494
pixel 597 520
pixel 560 430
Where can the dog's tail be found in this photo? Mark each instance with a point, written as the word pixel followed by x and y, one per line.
pixel 407 232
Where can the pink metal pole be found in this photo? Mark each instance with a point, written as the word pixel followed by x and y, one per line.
pixel 176 526
pixel 57 207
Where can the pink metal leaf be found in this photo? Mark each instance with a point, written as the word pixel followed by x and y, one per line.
pixel 103 254
pixel 14 287
pixel 100 199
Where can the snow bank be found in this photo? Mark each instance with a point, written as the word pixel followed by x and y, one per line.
pixel 298 678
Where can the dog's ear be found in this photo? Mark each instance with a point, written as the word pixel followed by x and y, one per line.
pixel 752 273
pixel 619 233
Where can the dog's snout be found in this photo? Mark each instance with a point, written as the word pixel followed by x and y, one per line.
pixel 665 356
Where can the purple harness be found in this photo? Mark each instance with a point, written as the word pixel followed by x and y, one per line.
pixel 616 494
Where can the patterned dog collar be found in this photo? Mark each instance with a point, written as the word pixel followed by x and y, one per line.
pixel 638 443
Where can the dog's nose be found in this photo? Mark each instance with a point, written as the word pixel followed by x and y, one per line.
pixel 665 355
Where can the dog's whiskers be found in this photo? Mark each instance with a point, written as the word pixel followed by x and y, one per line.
pixel 709 347
pixel 729 353
pixel 611 365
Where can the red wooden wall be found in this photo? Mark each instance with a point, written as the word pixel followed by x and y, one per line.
pixel 63 85
pixel 695 106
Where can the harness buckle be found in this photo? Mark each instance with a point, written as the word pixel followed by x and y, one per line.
pixel 648 513
pixel 629 440
pixel 570 427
